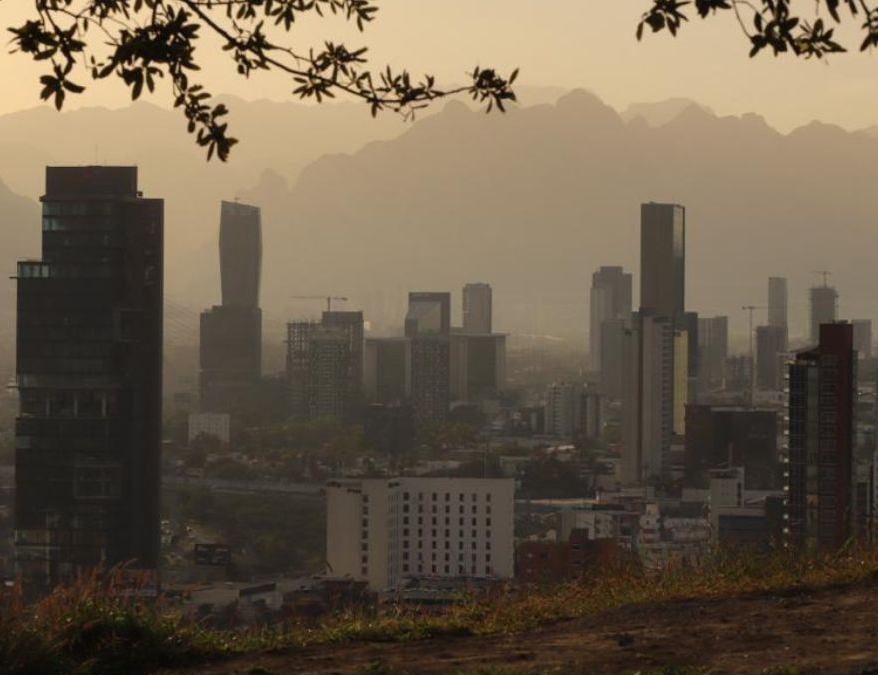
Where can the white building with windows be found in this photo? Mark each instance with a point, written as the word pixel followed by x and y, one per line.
pixel 384 530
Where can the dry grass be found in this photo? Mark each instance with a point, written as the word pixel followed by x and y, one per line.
pixel 92 627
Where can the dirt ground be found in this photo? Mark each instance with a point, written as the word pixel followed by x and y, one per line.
pixel 827 632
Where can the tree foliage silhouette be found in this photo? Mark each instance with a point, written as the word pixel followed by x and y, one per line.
pixel 773 24
pixel 140 41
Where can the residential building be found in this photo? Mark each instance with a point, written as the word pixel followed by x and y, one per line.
pixel 89 377
pixel 822 398
pixel 214 425
pixel 610 299
pixel 771 345
pixel 231 333
pixel 385 530
pixel 824 309
pixel 477 309
pixel 648 401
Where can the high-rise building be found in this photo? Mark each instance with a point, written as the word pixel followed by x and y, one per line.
pixel 657 357
pixel 777 302
pixel 428 325
pixel 610 299
pixel 231 333
pixel 572 409
pixel 713 350
pixel 324 367
pixel 663 260
pixel 430 378
pixel 822 399
pixel 429 313
pixel 648 401
pixel 863 337
pixel 771 344
pixel 379 529
pixel 824 309
pixel 478 366
pixel 240 243
pixel 89 374
pixel 477 309
pixel 387 370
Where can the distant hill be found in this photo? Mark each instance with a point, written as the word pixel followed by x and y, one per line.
pixel 533 201
pixel 660 112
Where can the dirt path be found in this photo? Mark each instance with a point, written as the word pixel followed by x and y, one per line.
pixel 829 632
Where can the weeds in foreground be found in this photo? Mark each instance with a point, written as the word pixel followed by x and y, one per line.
pixel 91 627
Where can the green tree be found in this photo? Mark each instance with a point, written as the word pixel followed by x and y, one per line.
pixel 807 31
pixel 141 41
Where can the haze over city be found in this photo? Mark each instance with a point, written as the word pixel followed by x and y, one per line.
pixel 557 359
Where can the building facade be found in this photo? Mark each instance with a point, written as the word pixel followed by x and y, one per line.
pixel 713 350
pixel 777 302
pixel 822 399
pixel 823 303
pixel 663 260
pixel 610 299
pixel 771 346
pixel 89 375
pixel 385 530
pixel 478 309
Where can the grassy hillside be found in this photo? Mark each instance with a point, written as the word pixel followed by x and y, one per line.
pixel 89 628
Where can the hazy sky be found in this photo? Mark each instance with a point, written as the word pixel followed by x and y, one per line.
pixel 571 43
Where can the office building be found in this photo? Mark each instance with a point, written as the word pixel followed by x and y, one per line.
pixel 429 313
pixel 572 409
pixel 231 333
pixel 610 299
pixel 324 366
pixel 824 309
pixel 478 366
pixel 863 337
pixel 477 309
pixel 89 376
pixel 722 437
pixel 822 399
pixel 387 370
pixel 771 346
pixel 777 302
pixel 385 530
pixel 713 350
pixel 663 260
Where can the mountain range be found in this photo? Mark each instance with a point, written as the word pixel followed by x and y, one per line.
pixel 531 201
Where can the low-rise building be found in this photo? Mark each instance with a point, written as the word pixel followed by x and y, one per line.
pixel 216 425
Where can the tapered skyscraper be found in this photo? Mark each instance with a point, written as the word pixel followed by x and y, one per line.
pixel 89 372
pixel 231 333
pixel 663 260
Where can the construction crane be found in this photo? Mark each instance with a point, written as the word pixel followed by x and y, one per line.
pixel 328 298
pixel 751 309
pixel 825 273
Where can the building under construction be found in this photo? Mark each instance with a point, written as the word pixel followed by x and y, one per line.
pixel 324 367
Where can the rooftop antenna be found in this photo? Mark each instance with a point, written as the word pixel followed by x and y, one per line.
pixel 825 273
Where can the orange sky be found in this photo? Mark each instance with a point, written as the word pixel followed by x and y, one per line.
pixel 585 43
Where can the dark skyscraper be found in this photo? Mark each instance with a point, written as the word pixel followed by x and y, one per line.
pixel 240 243
pixel 822 399
pixel 777 302
pixel 231 333
pixel 663 260
pixel 89 372
pixel 428 324
pixel 771 343
pixel 477 309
